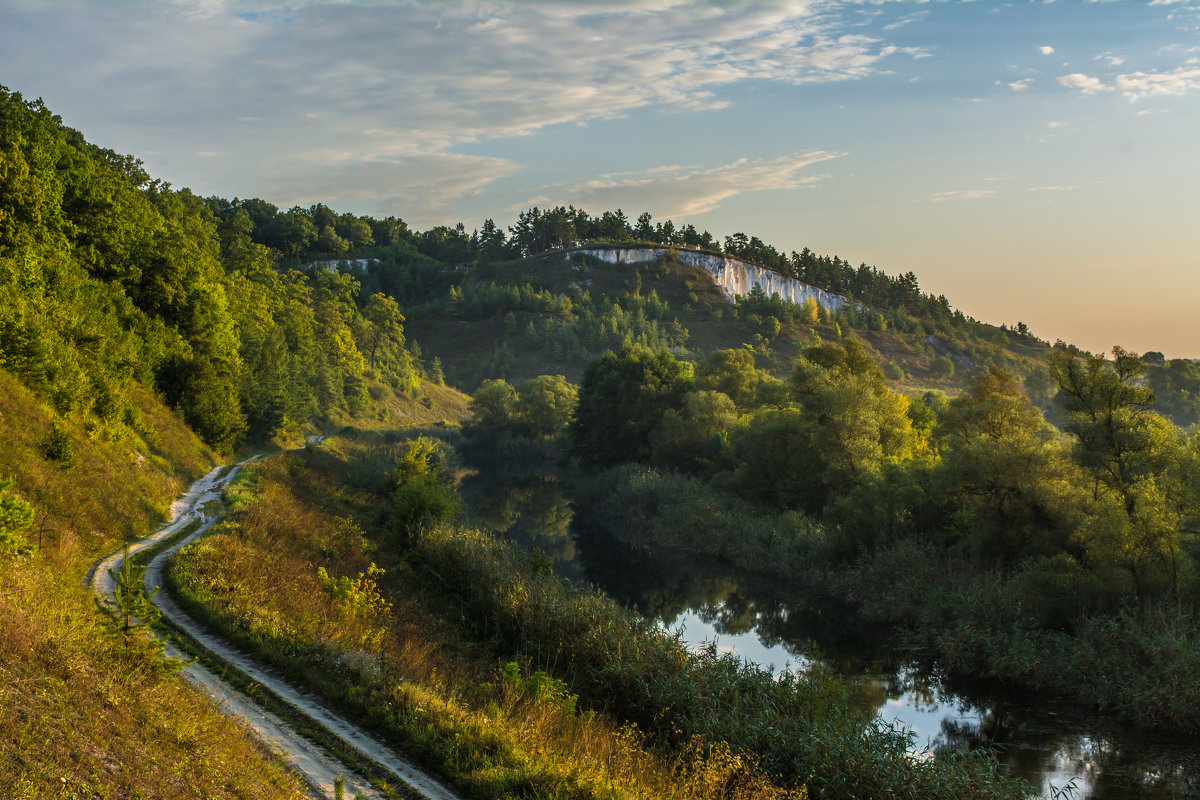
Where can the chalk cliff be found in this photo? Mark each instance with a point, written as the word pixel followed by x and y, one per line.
pixel 734 276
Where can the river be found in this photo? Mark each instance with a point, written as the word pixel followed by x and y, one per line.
pixel 1066 751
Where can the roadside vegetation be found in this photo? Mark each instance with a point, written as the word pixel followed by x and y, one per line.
pixel 473 657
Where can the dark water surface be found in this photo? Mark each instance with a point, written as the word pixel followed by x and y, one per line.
pixel 770 623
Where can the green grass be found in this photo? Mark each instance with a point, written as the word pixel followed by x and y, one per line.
pixel 463 603
pixel 1141 661
pixel 89 714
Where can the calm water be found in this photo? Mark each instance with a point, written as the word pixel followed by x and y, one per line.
pixel 769 623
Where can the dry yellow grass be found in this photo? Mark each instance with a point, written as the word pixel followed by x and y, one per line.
pixel 81 715
pixel 85 716
pixel 495 737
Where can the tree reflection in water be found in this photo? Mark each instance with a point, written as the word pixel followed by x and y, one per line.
pixel 772 623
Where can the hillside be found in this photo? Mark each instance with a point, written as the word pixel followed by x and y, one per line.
pixel 139 346
pixel 147 334
pixel 555 312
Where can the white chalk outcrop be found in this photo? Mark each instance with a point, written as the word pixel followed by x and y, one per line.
pixel 735 277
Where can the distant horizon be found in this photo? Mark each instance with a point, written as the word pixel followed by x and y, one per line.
pixel 1032 162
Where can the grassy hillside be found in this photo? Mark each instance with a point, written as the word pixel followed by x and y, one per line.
pixel 555 312
pixel 88 715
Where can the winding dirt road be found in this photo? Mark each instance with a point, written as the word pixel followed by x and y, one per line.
pixel 317 768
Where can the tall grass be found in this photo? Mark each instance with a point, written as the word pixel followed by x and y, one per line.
pixel 1141 660
pixel 800 725
pixel 704 725
pixel 407 674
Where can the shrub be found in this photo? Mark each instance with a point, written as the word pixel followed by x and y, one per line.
pixel 57 447
pixel 941 367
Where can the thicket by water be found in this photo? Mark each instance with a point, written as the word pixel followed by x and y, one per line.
pixel 507 607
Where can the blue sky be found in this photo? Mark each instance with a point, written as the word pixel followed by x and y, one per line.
pixel 1032 161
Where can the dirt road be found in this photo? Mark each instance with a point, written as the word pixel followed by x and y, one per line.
pixel 316 767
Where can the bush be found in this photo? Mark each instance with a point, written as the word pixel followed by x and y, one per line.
pixel 57 447
pixel 941 367
pixel 420 502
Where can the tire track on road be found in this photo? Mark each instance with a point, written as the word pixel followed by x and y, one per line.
pixel 318 768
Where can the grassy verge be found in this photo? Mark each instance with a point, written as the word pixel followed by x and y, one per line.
pixel 1142 661
pixel 264 697
pixel 87 713
pixel 474 658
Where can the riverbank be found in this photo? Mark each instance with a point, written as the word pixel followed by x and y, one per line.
pixel 583 670
pixel 1141 661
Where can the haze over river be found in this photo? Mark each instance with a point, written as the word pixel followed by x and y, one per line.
pixel 773 625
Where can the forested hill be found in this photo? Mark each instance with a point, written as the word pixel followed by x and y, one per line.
pixel 114 280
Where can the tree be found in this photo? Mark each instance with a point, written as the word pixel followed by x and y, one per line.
pixel 1136 460
pixel 856 421
pixel 1005 473
pixel 134 607
pixel 494 405
pixel 644 231
pixel 1106 409
pixel 732 373
pixel 621 399
pixel 330 243
pixel 546 404
pixel 695 437
pixel 492 244
pixel 385 324
pixel 15 516
pixel 355 230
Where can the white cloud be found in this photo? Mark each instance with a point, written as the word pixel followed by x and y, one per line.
pixel 1021 85
pixel 1136 85
pixel 683 191
pixel 961 194
pixel 1051 189
pixel 333 84
pixel 1088 84
pixel 907 19
pixel 1055 124
pixel 1046 50
pixel 423 186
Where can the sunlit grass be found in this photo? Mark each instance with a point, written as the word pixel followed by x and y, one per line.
pixel 85 713
pixel 621 709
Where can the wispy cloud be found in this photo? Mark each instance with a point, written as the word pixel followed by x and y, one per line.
pixel 961 194
pixel 1046 50
pixel 907 19
pixel 332 86
pixel 681 192
pixel 424 186
pixel 1021 85
pixel 1051 189
pixel 1136 85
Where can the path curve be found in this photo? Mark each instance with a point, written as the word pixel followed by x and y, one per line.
pixel 317 768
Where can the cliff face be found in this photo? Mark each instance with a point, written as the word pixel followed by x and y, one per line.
pixel 735 277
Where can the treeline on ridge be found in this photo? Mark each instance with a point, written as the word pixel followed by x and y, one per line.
pixel 226 309
pixel 111 278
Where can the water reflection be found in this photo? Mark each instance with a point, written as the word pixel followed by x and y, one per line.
pixel 772 624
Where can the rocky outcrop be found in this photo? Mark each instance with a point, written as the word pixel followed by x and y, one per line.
pixel 734 276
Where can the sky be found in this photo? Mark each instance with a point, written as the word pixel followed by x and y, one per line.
pixel 1034 161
